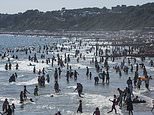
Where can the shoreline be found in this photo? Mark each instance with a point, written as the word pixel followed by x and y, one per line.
pixel 86 34
pixel 122 39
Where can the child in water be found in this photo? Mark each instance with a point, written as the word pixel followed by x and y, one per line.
pixel 80 107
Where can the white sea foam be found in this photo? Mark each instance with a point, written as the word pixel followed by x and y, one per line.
pixel 3 98
pixel 24 65
pixel 79 65
pixel 75 113
pixel 52 95
pixel 95 100
pixel 2 67
pixel 149 68
pixel 71 87
pixel 73 93
pixel 30 82
pixel 45 107
pixel 20 76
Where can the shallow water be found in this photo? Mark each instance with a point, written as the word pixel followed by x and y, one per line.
pixel 67 101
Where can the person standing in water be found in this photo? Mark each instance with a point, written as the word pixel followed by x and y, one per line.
pixel 147 79
pixel 80 107
pixel 130 106
pixel 56 87
pixel 90 75
pixel 36 91
pixel 5 105
pixel 79 88
pixel 114 101
pixel 97 111
pixel 13 108
pixel 107 77
pixel 21 97
pixel 87 71
pixel 25 93
pixel 120 98
pixel 9 110
pixel 75 75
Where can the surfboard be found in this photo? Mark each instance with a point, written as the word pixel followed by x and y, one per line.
pixel 28 101
pixel 56 94
pixel 50 94
pixel 100 75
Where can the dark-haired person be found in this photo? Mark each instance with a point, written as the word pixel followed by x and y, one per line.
pixel 80 107
pixel 114 101
pixel 97 111
pixel 79 88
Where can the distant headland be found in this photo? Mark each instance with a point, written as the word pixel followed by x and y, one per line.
pixel 87 19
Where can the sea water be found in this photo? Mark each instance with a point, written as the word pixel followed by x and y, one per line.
pixel 67 101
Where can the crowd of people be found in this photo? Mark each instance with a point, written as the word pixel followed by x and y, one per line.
pixel 125 96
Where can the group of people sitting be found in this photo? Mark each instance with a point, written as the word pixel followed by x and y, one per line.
pixel 137 100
